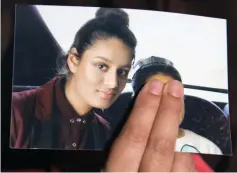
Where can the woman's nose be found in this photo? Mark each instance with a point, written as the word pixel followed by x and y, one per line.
pixel 111 80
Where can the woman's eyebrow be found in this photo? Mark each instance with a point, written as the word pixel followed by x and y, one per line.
pixel 103 58
pixel 108 60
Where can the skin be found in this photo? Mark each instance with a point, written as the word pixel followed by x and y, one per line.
pixel 146 142
pixel 99 76
pixel 166 78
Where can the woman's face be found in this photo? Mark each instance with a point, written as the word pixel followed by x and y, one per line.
pixel 101 73
pixel 166 78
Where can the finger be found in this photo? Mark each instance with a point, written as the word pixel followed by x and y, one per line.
pixel 159 152
pixel 183 162
pixel 127 151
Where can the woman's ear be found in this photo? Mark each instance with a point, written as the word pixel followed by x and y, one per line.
pixel 73 60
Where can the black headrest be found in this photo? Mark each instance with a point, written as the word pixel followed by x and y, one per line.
pixel 207 119
pixel 226 110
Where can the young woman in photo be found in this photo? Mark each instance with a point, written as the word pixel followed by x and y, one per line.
pixel 65 113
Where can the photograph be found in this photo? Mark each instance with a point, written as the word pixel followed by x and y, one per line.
pixel 77 72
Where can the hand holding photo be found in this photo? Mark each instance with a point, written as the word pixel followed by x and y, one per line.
pixel 163 70
pixel 78 71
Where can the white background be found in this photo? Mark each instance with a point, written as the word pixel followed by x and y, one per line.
pixel 196 45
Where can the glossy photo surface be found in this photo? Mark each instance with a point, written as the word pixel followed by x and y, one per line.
pixel 77 71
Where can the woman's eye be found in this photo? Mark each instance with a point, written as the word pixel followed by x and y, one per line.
pixel 122 72
pixel 102 66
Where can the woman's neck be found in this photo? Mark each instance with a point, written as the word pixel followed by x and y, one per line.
pixel 79 105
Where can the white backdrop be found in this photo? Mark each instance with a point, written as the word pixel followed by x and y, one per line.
pixel 196 45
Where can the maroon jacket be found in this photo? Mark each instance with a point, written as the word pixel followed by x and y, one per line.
pixel 43 118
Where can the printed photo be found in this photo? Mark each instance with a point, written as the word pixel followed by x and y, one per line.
pixel 77 72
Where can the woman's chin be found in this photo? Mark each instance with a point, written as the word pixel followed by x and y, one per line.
pixel 102 105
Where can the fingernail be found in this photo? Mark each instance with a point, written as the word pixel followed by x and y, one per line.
pixel 175 88
pixel 155 87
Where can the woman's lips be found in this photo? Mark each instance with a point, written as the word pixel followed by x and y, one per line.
pixel 107 95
